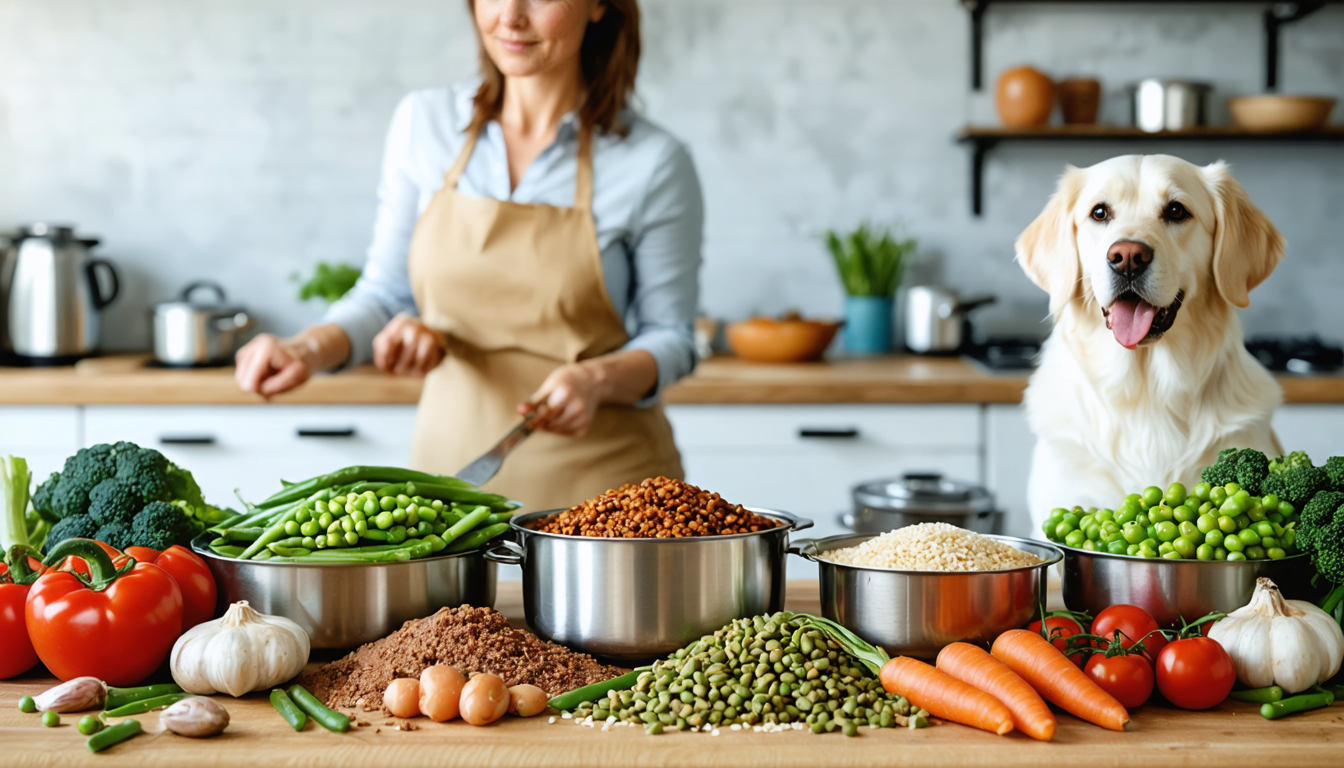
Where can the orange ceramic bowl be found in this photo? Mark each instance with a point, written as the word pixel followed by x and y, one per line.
pixel 766 340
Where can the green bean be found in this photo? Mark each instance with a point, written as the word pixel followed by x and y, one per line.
pixel 274 533
pixel 120 697
pixel 243 534
pixel 327 718
pixel 289 552
pixel 113 735
pixel 467 523
pixel 572 699
pixel 499 517
pixel 147 705
pixel 224 550
pixel 477 538
pixel 356 474
pixel 1302 703
pixel 462 496
pixel 285 706
pixel 1258 695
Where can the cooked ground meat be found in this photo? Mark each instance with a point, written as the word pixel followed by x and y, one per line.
pixel 471 639
pixel 657 508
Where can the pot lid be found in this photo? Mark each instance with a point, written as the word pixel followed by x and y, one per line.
pixel 59 234
pixel 927 491
pixel 191 299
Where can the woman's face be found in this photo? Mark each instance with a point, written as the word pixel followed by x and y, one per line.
pixel 530 37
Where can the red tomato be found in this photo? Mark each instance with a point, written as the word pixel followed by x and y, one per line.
pixel 1134 623
pixel 193 577
pixel 1061 628
pixel 1128 678
pixel 120 634
pixel 16 650
pixel 1195 673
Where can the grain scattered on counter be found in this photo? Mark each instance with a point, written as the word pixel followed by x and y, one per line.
pixel 933 547
pixel 471 639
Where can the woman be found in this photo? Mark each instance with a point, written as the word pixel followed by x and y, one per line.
pixel 537 243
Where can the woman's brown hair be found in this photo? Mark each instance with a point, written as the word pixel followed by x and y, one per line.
pixel 609 60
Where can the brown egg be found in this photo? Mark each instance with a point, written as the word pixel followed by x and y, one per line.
pixel 527 700
pixel 1024 97
pixel 440 692
pixel 485 699
pixel 402 697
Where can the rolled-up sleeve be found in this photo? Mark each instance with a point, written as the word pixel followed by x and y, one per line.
pixel 384 288
pixel 666 258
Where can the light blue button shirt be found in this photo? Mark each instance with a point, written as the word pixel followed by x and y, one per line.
pixel 646 204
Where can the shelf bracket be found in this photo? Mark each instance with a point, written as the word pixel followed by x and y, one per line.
pixel 977 9
pixel 1277 15
pixel 979 148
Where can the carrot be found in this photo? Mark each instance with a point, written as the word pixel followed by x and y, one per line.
pixel 973 665
pixel 944 696
pixel 1056 678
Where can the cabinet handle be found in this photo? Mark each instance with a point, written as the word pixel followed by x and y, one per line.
pixel 834 433
pixel 336 432
pixel 187 440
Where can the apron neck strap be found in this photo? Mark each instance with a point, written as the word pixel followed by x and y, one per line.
pixel 460 165
pixel 583 181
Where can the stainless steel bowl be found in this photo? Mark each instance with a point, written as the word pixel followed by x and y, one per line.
pixel 342 606
pixel 916 613
pixel 1175 589
pixel 635 599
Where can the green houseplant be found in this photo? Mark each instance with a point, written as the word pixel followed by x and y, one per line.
pixel 870 261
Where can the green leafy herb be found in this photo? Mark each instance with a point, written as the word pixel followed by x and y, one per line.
pixel 329 282
pixel 870 260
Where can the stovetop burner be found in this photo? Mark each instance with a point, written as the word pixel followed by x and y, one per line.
pixel 1006 354
pixel 1299 354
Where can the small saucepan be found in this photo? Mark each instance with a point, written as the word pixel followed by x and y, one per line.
pixel 189 333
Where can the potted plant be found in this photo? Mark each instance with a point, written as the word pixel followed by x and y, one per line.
pixel 870 261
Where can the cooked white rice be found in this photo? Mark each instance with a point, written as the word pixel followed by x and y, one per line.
pixel 932 547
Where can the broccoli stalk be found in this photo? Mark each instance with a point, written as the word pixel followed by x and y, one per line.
pixel 13 502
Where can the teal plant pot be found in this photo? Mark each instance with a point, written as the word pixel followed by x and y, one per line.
pixel 868 325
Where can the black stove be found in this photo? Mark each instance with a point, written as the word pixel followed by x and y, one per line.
pixel 1006 354
pixel 1297 354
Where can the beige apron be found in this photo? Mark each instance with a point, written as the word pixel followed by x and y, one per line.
pixel 518 291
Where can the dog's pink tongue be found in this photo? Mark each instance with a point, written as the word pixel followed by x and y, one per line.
pixel 1131 321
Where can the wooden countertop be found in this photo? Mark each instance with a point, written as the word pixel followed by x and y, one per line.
pixel 1231 734
pixel 125 380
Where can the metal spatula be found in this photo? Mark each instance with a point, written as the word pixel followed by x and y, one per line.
pixel 487 466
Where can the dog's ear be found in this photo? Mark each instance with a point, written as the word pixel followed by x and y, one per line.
pixel 1048 249
pixel 1246 246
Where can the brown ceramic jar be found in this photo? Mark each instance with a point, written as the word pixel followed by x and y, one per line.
pixel 1024 97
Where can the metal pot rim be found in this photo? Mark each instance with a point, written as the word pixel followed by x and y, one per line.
pixel 1135 559
pixel 809 549
pixel 200 547
pixel 792 523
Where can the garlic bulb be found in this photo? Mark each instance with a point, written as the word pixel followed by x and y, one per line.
pixel 241 652
pixel 1288 643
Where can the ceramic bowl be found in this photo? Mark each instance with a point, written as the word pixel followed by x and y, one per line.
pixel 1273 113
pixel 766 340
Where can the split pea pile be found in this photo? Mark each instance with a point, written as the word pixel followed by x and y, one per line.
pixel 773 673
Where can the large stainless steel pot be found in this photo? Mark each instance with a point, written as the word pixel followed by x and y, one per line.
pixel 342 606
pixel 916 613
pixel 51 296
pixel 921 497
pixel 1174 589
pixel 188 332
pixel 935 319
pixel 635 599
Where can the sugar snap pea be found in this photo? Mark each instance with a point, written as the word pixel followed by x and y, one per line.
pixel 113 735
pixel 287 709
pixel 1302 703
pixel 147 705
pixel 120 697
pixel 327 718
pixel 478 538
pixel 574 698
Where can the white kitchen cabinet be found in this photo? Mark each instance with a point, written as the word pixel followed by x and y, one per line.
pixel 804 459
pixel 1316 429
pixel 251 447
pixel 1009 444
pixel 44 435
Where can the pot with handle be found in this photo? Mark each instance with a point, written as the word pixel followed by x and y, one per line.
pixel 190 333
pixel 52 296
pixel 935 319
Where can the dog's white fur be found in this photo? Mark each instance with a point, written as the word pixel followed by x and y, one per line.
pixel 1111 420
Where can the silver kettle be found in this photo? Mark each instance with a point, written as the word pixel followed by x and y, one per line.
pixel 51 297
pixel 935 319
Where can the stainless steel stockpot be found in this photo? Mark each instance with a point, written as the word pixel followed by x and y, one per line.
pixel 342 606
pixel 635 599
pixel 916 613
pixel 189 333
pixel 1174 589
pixel 921 497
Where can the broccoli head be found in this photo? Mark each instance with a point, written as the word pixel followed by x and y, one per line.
pixel 117 535
pixel 1300 484
pixel 1252 467
pixel 96 463
pixel 44 497
pixel 1289 461
pixel 1320 531
pixel 133 461
pixel 1223 470
pixel 77 527
pixel 1334 469
pixel 1316 516
pixel 114 501
pixel 161 525
pixel 71 497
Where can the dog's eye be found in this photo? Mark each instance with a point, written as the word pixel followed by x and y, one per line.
pixel 1101 212
pixel 1175 212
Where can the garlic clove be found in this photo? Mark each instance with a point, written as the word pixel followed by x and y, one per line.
pixel 1299 670
pixel 79 695
pixel 195 717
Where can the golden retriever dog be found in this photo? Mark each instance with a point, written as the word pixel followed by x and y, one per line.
pixel 1144 377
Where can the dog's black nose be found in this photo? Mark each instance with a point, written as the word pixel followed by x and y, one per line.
pixel 1129 258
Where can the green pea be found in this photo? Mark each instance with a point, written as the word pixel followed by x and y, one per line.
pixel 1152 495
pixel 1048 528
pixel 1062 529
pixel 399 516
pixel 309 542
pixel 1058 514
pixel 1214 538
pixel 1105 516
pixel 1161 514
pixel 384 520
pixel 1204 552
pixel 1189 530
pixel 1165 547
pixel 292 528
pixel 1184 547
pixel 371 506
pixel 1167 531
pixel 1172 556
pixel 1133 532
pixel 1256 552
pixel 325 520
pixel 1075 539
pixel 1175 494
pixel 351 538
pixel 1286 508
pixel 1235 557
pixel 1126 514
pixel 1132 550
pixel 1151 531
pixel 89 725
pixel 1089 545
pixel 1233 544
pixel 1249 537
pixel 335 540
pixel 303 515
pixel 1276 553
pixel 1202 491
pixel 1206 523
pixel 1206 508
pixel 1117 546
pixel 1269 542
pixel 1264 529
pixel 51 719
pixel 27 704
pixel 1218 495
pixel 1183 514
pixel 1227 524
pixel 309 528
pixel 436 505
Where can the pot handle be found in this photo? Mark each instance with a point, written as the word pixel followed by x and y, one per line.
pixel 505 552
pixel 966 306
pixel 804 548
pixel 236 322
pixel 198 285
pixel 845 520
pixel 801 524
pixel 99 300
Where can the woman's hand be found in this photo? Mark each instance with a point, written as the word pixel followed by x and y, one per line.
pixel 408 347
pixel 573 393
pixel 268 366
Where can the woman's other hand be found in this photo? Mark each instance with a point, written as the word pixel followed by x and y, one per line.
pixel 269 366
pixel 573 393
pixel 408 347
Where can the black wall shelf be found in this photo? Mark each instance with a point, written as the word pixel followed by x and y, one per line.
pixel 984 139
pixel 1276 14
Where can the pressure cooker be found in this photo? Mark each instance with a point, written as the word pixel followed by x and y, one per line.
pixel 191 333
pixel 922 497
